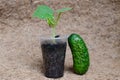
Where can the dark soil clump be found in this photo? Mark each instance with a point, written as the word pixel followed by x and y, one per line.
pixel 54 57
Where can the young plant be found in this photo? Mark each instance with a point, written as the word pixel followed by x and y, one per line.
pixel 46 13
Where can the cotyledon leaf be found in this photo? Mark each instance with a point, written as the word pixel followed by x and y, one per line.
pixel 63 10
pixel 43 12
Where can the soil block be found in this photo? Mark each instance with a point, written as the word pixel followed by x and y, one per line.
pixel 54 58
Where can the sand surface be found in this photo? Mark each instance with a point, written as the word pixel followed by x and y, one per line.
pixel 97 21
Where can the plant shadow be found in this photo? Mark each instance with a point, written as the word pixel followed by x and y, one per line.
pixel 38 66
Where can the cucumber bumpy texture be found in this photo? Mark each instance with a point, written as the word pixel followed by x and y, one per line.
pixel 80 54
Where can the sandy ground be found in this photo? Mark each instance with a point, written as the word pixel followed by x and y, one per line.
pixel 97 21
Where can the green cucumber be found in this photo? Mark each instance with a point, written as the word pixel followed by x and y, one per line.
pixel 80 54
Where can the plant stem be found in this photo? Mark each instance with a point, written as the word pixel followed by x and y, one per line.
pixel 53 32
pixel 58 17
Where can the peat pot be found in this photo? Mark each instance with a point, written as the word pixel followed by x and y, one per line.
pixel 53 52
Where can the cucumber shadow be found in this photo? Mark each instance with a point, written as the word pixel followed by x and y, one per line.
pixel 70 70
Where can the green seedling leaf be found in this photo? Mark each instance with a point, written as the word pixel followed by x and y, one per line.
pixel 63 10
pixel 46 13
pixel 51 22
pixel 43 12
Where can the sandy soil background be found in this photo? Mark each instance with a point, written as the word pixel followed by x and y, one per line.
pixel 97 21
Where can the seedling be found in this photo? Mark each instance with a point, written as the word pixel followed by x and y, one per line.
pixel 46 13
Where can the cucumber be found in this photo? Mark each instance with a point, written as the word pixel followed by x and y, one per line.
pixel 80 54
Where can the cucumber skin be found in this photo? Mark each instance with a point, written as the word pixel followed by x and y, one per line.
pixel 80 54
